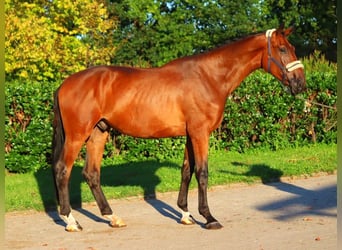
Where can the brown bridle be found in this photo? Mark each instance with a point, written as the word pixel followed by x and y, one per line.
pixel 284 69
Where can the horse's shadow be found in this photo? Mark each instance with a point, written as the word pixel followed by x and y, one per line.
pixel 137 174
pixel 130 174
pixel 266 173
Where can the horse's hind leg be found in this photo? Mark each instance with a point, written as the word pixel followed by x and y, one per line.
pixel 91 173
pixel 62 170
pixel 187 171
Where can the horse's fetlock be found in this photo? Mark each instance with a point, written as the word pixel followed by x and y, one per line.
pixel 204 211
pixel 182 205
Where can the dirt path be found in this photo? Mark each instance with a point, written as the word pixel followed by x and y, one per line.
pixel 293 214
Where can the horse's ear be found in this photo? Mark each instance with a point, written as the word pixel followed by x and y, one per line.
pixel 288 31
pixel 283 31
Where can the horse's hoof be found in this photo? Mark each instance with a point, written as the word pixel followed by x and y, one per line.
pixel 118 223
pixel 115 221
pixel 187 221
pixel 213 225
pixel 74 227
pixel 187 218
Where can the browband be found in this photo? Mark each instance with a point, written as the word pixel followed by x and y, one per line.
pixel 290 66
pixel 270 32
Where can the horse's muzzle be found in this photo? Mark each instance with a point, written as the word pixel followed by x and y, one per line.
pixel 297 85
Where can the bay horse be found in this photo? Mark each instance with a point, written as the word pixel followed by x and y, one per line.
pixel 185 97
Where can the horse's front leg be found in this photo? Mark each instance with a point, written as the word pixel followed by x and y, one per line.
pixel 203 207
pixel 187 171
pixel 200 147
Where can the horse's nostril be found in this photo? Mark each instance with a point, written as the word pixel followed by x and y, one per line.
pixel 297 85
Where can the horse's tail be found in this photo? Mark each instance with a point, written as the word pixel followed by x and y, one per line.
pixel 58 139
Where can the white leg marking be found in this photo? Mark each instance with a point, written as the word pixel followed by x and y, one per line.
pixel 115 221
pixel 72 224
pixel 187 218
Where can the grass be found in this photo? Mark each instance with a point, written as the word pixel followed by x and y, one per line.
pixel 123 179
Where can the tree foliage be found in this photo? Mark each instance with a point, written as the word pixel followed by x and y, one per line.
pixel 152 32
pixel 155 32
pixel 52 39
pixel 315 22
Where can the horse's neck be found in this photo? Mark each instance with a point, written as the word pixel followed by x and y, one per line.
pixel 232 63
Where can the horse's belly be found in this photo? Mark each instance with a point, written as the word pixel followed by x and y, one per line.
pixel 149 126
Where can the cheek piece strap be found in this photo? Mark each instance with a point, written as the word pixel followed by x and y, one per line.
pixel 288 67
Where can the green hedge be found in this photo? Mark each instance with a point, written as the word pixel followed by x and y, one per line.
pixel 259 114
pixel 28 125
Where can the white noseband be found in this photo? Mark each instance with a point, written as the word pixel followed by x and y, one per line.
pixel 288 67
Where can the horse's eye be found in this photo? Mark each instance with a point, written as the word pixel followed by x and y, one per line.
pixel 283 50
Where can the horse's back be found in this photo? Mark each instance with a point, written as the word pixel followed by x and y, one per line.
pixel 138 102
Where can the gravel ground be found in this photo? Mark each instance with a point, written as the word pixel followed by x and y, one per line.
pixel 291 214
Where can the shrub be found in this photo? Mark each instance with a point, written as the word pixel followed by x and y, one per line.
pixel 28 126
pixel 258 114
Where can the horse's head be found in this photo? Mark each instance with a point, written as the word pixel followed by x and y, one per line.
pixel 281 61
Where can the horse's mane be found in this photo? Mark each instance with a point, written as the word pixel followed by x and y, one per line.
pixel 243 36
pixel 205 51
pixel 229 41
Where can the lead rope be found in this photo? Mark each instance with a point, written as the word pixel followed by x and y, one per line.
pixel 315 103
